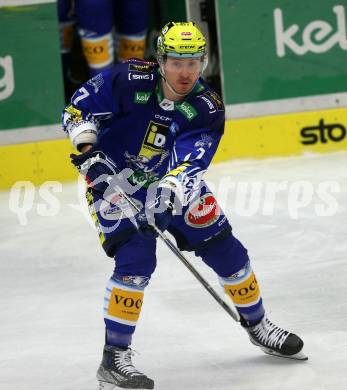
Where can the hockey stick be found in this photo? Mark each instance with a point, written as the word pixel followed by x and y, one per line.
pixel 187 263
pixel 114 183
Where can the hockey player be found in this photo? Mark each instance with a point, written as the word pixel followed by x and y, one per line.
pixel 157 126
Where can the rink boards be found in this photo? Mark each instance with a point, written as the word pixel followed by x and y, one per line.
pixel 284 135
pixel 276 135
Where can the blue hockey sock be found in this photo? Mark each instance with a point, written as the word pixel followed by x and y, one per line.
pixel 118 339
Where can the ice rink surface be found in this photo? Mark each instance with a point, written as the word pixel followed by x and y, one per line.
pixel 53 274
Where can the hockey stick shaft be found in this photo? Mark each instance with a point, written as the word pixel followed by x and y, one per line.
pixel 187 263
pixel 197 275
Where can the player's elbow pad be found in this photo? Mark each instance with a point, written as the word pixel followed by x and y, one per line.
pixel 87 137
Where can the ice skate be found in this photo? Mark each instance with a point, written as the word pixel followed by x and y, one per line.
pixel 274 340
pixel 117 371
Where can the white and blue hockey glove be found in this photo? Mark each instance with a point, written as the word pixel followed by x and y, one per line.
pixel 144 227
pixel 96 168
pixel 159 212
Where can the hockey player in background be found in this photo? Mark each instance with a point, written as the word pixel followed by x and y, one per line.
pixel 104 21
pixel 109 30
pixel 157 126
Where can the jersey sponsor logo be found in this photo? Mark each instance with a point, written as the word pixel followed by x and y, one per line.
pixel 203 214
pixel 144 178
pixel 118 208
pixel 187 110
pixel 323 133
pixel 96 82
pixel 134 76
pixel 144 174
pixel 217 101
pixel 186 33
pixel 142 97
pixel 143 68
pixel 154 140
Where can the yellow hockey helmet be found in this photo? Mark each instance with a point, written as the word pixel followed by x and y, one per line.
pixel 182 40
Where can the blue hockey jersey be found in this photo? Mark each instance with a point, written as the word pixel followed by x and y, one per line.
pixel 139 129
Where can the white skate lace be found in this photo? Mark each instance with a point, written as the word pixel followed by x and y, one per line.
pixel 269 334
pixel 122 360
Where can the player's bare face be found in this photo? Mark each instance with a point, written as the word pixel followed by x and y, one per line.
pixel 182 73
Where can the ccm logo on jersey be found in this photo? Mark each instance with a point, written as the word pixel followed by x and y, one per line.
pixel 203 214
pixel 162 117
pixel 134 76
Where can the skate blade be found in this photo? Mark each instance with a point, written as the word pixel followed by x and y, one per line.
pixel 105 386
pixel 110 386
pixel 298 356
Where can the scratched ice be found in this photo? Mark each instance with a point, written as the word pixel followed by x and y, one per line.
pixel 53 273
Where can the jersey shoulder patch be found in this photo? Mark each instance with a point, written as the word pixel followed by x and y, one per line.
pixel 211 99
pixel 141 70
